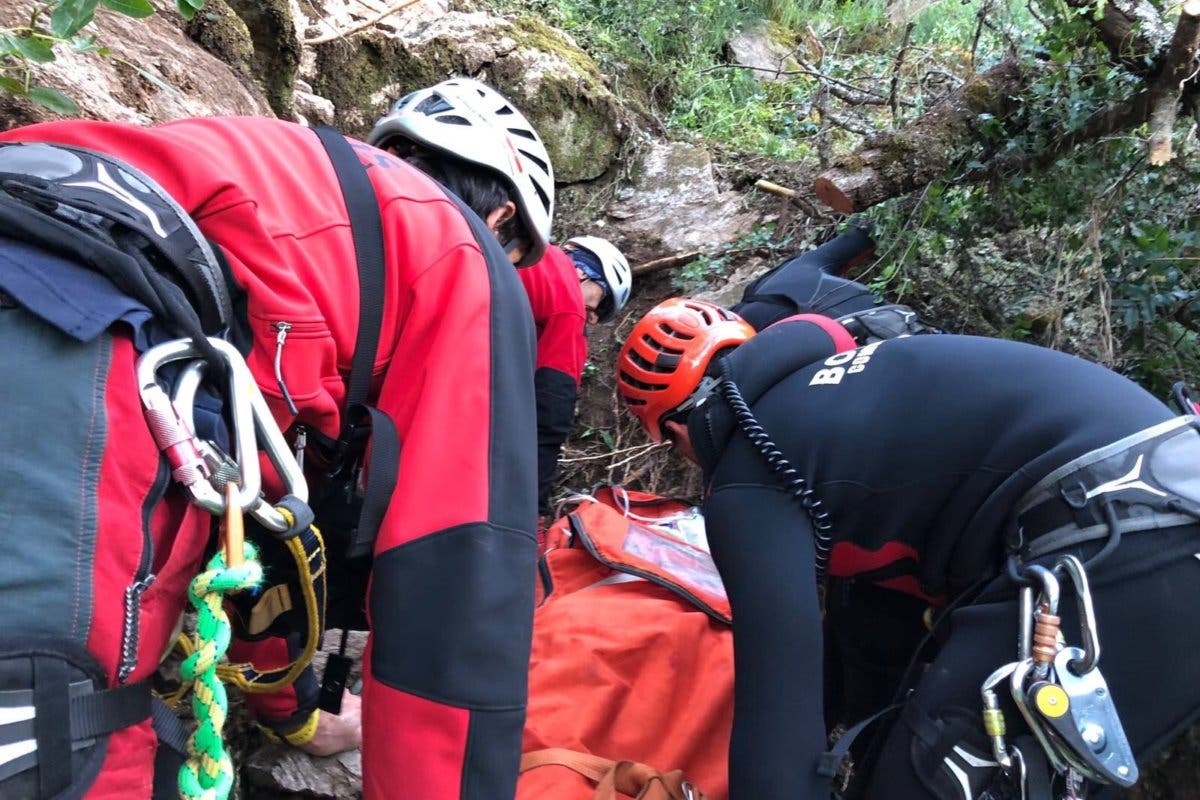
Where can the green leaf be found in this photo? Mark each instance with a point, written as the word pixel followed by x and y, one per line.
pixel 84 44
pixel 188 8
pixel 34 48
pixel 138 9
pixel 71 16
pixel 53 99
pixel 11 85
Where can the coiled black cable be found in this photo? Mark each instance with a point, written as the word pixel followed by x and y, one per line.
pixel 784 471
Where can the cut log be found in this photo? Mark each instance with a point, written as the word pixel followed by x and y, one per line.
pixel 895 163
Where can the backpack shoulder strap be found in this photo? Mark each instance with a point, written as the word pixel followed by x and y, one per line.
pixel 366 227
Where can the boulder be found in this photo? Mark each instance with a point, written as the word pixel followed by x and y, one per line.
pixel 757 49
pixel 176 78
pixel 544 72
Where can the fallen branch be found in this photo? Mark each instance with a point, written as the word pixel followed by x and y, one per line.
pixel 1177 69
pixel 392 9
pixel 667 261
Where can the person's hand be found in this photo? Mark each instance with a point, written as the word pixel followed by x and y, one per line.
pixel 340 732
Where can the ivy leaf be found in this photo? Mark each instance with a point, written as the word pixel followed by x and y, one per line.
pixel 70 16
pixel 138 9
pixel 188 8
pixel 53 99
pixel 33 48
pixel 84 44
pixel 11 85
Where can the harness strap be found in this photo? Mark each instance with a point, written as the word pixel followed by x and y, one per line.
pixel 52 703
pixel 65 717
pixel 831 760
pixel 168 728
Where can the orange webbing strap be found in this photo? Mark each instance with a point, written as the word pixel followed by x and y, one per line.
pixel 614 779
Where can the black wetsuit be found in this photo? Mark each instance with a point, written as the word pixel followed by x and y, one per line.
pixel 811 283
pixel 919 448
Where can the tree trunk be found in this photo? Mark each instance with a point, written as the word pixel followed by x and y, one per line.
pixel 898 162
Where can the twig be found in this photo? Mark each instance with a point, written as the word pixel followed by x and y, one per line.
pixel 774 188
pixel 647 450
pixel 612 453
pixel 984 9
pixel 392 9
pixel 896 66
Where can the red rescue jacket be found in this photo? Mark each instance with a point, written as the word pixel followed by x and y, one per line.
pixel 440 721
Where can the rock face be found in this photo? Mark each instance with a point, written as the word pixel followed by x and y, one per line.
pixel 186 81
pixel 544 72
pixel 673 203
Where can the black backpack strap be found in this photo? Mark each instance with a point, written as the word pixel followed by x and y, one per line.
pixel 830 762
pixel 381 479
pixel 367 229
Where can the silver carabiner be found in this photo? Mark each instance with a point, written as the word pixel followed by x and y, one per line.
pixel 173 429
pixel 253 425
pixel 1074 569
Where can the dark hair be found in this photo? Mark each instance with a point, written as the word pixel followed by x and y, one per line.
pixel 479 188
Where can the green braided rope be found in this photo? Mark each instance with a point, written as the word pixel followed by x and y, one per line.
pixel 208 773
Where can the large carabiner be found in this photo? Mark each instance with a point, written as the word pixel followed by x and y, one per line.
pixel 171 423
pixel 1074 569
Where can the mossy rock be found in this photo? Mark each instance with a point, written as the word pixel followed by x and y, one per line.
pixel 553 81
pixel 258 39
pixel 220 31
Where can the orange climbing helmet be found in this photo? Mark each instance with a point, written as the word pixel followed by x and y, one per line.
pixel 663 361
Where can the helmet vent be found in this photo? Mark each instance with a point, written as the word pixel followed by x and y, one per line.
pixel 542 196
pixel 433 104
pixel 524 134
pixel 658 365
pixel 645 387
pixel 674 334
pixel 536 160
pixel 454 119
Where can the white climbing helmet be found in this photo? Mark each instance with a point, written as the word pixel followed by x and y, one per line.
pixel 613 263
pixel 465 119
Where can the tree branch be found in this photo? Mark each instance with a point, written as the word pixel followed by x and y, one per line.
pixel 896 66
pixel 1132 30
pixel 1177 68
pixel 392 9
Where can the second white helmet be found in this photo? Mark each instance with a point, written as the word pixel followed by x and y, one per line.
pixel 613 264
pixel 465 119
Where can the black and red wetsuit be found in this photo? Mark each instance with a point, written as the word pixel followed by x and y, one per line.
pixel 920 449
pixel 811 283
pixel 451 596
pixel 556 300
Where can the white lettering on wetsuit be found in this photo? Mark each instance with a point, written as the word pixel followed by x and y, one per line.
pixel 836 368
